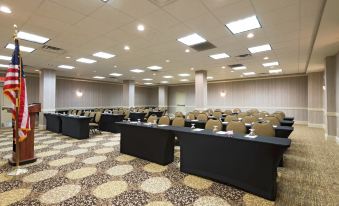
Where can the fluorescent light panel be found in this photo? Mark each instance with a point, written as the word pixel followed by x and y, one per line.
pixel 86 61
pixel 154 67
pixel 22 48
pixel 104 55
pixel 184 80
pixel 242 25
pixel 248 73
pixel 5 9
pixel 270 64
pixel 99 77
pixel 184 75
pixel 7 58
pixel 192 39
pixel 66 67
pixel 239 68
pixel 32 37
pixel 115 74
pixel 137 70
pixel 275 71
pixel 168 77
pixel 210 77
pixel 164 82
pixel 219 56
pixel 147 79
pixel 261 48
pixel 148 83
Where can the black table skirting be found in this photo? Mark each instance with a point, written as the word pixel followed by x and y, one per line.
pixel 75 126
pixel 53 122
pixel 107 122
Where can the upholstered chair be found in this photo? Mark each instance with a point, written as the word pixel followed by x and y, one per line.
pixel 272 119
pixel 230 118
pixel 178 122
pixel 152 118
pixel 249 119
pixel 164 120
pixel 264 129
pixel 202 117
pixel 212 122
pixel 237 127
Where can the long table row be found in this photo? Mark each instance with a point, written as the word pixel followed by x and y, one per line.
pixel 248 163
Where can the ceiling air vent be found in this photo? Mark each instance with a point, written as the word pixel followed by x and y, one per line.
pixel 161 3
pixel 203 46
pixel 244 55
pixel 53 49
pixel 235 65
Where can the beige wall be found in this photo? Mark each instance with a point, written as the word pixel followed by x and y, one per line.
pixel 287 94
pixel 315 99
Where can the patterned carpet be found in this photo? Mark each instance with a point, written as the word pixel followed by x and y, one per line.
pixel 93 172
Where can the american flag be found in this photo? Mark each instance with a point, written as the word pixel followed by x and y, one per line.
pixel 15 84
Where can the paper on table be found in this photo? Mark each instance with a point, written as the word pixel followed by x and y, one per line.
pixel 221 132
pixel 162 125
pixel 194 120
pixel 249 136
pixel 133 122
pixel 275 126
pixel 248 124
pixel 224 122
pixel 197 129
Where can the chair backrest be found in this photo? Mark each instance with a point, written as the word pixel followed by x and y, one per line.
pixel 237 127
pixel 264 129
pixel 97 117
pixel 178 121
pixel 79 112
pixel 74 112
pixel 242 114
pixel 249 119
pixel 236 110
pixel 202 117
pixel 228 112
pixel 212 122
pixel 230 118
pixel 164 120
pixel 92 114
pixel 190 115
pixel 86 113
pixel 126 114
pixel 152 118
pixel 217 114
pixel 69 111
pixel 273 120
pixel 178 114
pixel 279 116
pixel 281 113
pixel 196 113
pixel 217 110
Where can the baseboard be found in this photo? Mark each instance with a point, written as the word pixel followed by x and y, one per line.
pixel 322 126
pixel 301 122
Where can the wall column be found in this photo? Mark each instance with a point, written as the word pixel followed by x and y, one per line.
pixel 162 96
pixel 315 99
pixel 330 107
pixel 47 88
pixel 201 89
pixel 128 93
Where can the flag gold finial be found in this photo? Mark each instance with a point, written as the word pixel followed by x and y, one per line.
pixel 15 31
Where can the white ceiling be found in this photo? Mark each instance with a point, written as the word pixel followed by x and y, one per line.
pixel 82 28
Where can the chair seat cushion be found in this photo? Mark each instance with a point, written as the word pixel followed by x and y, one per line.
pixel 93 124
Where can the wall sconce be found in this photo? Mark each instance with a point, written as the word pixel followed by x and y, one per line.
pixel 223 94
pixel 78 93
pixel 324 88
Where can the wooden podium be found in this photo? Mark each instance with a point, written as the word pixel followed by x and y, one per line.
pixel 27 146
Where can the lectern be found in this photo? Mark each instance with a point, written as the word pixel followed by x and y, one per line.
pixel 27 146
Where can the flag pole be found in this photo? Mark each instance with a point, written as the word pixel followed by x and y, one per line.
pixel 17 171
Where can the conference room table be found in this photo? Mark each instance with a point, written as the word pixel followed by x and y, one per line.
pixel 107 122
pixel 245 162
pixel 53 122
pixel 280 131
pixel 158 113
pixel 288 123
pixel 134 116
pixel 75 126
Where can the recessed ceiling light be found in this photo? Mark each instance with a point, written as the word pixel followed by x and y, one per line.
pixel 239 68
pixel 22 48
pixel 115 74
pixel 141 27
pixel 104 55
pixel 86 61
pixel 137 70
pixel 250 35
pixel 154 74
pixel 8 58
pixel 168 77
pixel 148 83
pixel 5 9
pixel 65 67
pixel 248 73
pixel 105 1
pixel 127 48
pixel 270 64
pixel 261 48
pixel 168 61
pixel 219 56
pixel 265 58
pixel 32 37
pixel 164 82
pixel 232 71
pixel 242 25
pixel 184 75
pixel 192 68
pixel 67 57
pixel 154 67
pixel 115 66
pixel 37 70
pixel 184 80
pixel 210 77
pixel 99 77
pixel 191 39
pixel 147 79
pixel 4 65
pixel 223 67
pixel 187 51
pixel 275 71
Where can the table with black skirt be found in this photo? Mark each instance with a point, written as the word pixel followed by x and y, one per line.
pixel 158 114
pixel 53 122
pixel 107 122
pixel 134 116
pixel 75 126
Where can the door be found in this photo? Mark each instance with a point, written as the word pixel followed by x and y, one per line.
pixel 5 117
